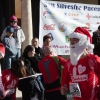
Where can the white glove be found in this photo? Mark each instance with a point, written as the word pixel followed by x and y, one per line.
pixel 1 55
pixel 9 92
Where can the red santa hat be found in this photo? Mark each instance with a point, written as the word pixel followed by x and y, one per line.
pixel 83 35
pixel 2 49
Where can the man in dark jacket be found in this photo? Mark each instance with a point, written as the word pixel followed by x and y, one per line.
pixel 96 41
pixel 38 50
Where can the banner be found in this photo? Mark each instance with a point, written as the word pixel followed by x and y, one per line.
pixel 59 19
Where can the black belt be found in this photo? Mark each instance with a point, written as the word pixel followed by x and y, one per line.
pixel 53 85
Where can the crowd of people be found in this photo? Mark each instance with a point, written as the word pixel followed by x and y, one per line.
pixel 41 74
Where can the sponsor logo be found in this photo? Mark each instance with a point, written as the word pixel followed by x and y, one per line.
pixel 73 14
pixel 59 46
pixel 62 27
pixel 48 14
pixel 45 5
pixel 73 27
pixel 79 78
pixel 49 4
pixel 91 16
pixel 88 25
pixel 98 23
pixel 49 27
pixel 65 14
pixel 67 39
pixel 75 19
pixel 88 16
pixel 52 38
pixel 67 51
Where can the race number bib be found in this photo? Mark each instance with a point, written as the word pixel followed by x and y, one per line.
pixel 75 90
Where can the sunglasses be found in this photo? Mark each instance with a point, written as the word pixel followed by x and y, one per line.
pixel 13 21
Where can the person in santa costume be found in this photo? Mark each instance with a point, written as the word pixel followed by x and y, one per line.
pixel 81 72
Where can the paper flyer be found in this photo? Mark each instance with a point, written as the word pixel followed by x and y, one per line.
pixel 37 74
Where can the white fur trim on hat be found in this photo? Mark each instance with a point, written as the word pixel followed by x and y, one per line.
pixel 78 35
pixel 89 46
pixel 82 38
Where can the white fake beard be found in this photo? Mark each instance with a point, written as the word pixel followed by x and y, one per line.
pixel 76 52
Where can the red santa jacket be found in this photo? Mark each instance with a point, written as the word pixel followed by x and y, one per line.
pixel 49 68
pixel 85 74
pixel 10 82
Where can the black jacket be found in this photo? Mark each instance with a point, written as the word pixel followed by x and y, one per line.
pixel 39 52
pixel 34 62
pixel 30 86
pixel 96 42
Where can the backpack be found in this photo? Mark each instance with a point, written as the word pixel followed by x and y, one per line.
pixel 59 66
pixel 68 95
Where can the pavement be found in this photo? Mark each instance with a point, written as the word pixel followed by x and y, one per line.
pixel 18 95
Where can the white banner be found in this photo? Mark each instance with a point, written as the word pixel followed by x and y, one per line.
pixel 59 19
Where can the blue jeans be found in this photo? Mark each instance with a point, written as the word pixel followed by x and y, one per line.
pixel 18 53
pixel 8 62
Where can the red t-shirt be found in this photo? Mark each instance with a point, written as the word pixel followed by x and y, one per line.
pixel 49 68
pixel 85 74
pixel 10 82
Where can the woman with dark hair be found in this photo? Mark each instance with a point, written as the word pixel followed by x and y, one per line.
pixel 31 89
pixel 11 76
pixel 29 53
